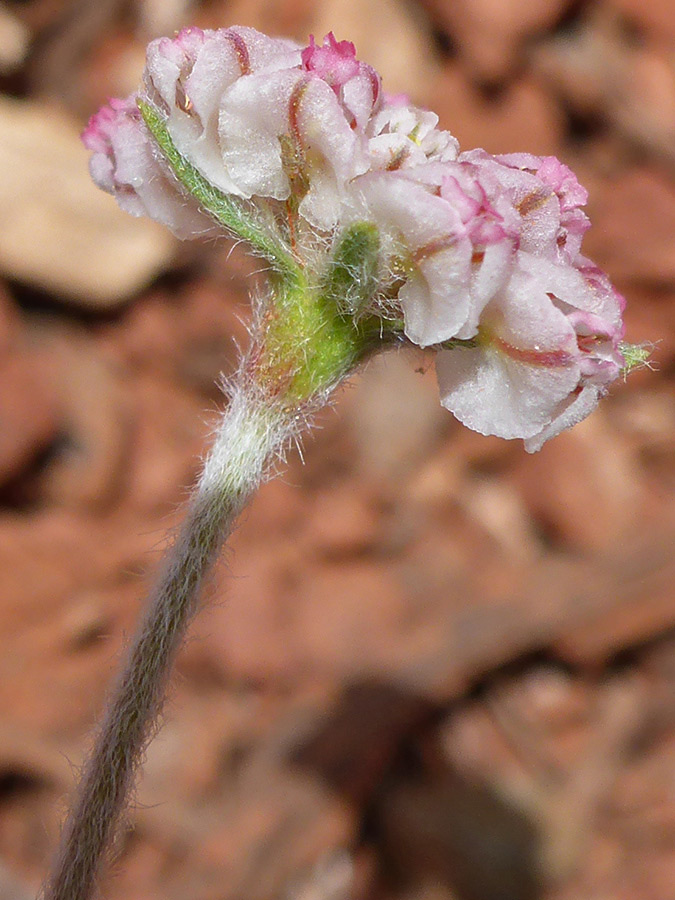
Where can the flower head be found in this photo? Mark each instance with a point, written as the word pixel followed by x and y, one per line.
pixel 401 136
pixel 349 191
pixel 449 234
pixel 261 119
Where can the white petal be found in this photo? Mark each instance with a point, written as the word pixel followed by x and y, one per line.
pixel 436 299
pixel 326 137
pixel 268 53
pixel 215 68
pixel 488 279
pixel 524 317
pixel 322 204
pixel 254 113
pixel 493 394
pixel 357 95
pixel 571 413
pixel 564 281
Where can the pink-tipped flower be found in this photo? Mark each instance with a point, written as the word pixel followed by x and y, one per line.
pixel 125 164
pixel 333 61
pixel 489 252
pixel 546 349
pixel 546 197
pixel 189 77
pixel 258 117
pixel 299 134
pixel 356 84
pixel 451 235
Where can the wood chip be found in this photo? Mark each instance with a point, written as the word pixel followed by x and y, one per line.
pixel 14 40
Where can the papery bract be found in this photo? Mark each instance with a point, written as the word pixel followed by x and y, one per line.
pixel 259 118
pixel 544 194
pixel 189 76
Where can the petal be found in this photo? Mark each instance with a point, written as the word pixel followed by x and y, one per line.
pixel 388 151
pixel 525 366
pixel 571 412
pixel 359 96
pixel 124 164
pixel 333 61
pixel 563 281
pixel 436 298
pixel 518 160
pixel 194 130
pixel 322 204
pixel 494 394
pixel 524 318
pixel 323 132
pixel 532 198
pixel 401 202
pixel 563 181
pixel 433 239
pixel 489 277
pixel 329 150
pixel 167 60
pixel 254 114
pixel 607 301
pixel 584 288
pixel 267 53
pixel 440 145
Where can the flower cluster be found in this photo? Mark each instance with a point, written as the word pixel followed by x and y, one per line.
pixel 491 247
pixel 478 256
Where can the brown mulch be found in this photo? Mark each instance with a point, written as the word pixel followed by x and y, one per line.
pixel 430 666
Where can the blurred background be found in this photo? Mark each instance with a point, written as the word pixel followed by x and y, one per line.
pixel 431 667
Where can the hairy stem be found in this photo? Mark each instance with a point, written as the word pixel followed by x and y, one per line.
pixel 251 433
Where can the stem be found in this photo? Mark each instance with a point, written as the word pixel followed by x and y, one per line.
pixel 251 433
pixel 309 343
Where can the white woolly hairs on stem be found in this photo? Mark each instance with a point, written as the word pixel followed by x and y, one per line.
pixel 253 433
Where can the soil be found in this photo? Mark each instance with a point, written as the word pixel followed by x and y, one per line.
pixel 429 666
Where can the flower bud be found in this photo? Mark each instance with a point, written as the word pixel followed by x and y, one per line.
pixel 351 280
